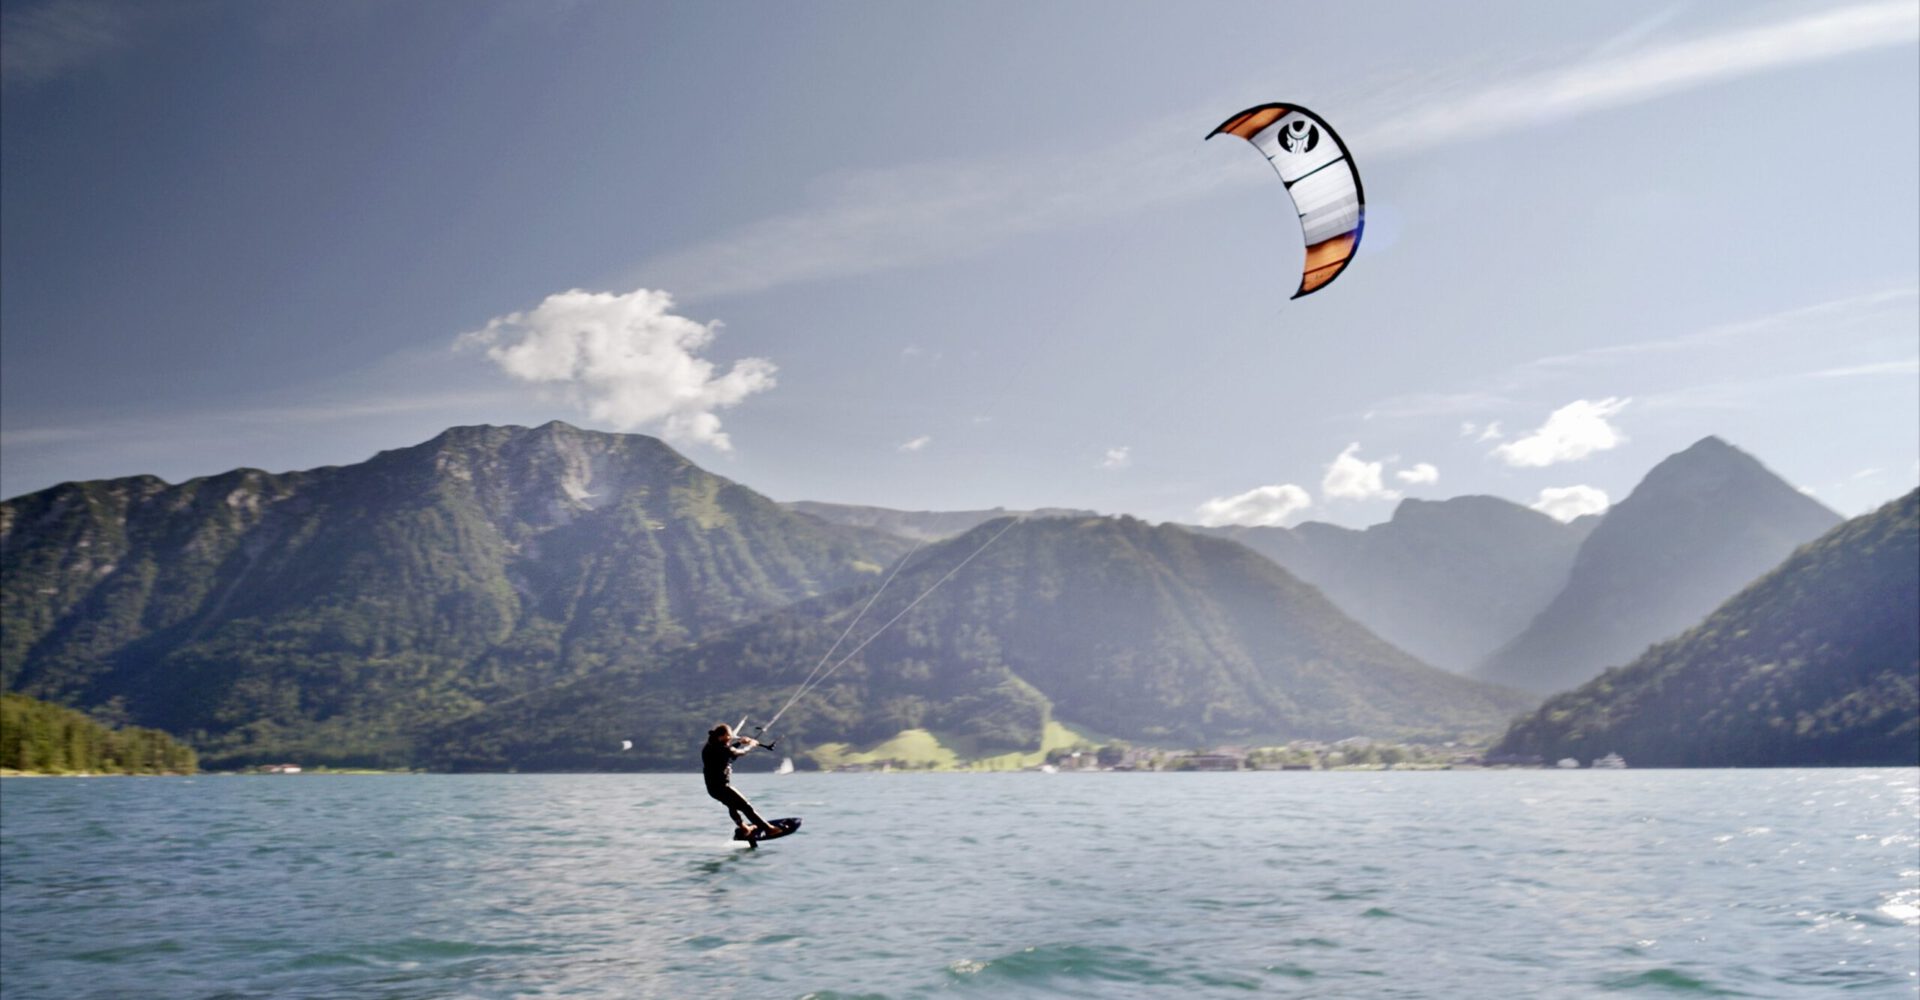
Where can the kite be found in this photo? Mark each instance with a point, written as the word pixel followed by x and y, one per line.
pixel 1313 163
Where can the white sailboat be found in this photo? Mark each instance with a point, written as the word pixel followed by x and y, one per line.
pixel 786 766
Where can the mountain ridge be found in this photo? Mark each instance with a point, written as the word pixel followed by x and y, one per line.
pixel 1141 632
pixel 1448 580
pixel 1816 662
pixel 1702 524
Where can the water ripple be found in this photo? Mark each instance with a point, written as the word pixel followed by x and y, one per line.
pixel 1538 884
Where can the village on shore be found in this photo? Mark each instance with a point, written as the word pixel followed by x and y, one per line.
pixel 1355 753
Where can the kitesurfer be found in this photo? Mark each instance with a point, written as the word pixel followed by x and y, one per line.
pixel 716 761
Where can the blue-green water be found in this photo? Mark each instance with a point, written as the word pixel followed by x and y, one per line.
pixel 1448 884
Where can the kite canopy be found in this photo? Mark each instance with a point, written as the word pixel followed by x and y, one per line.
pixel 1314 165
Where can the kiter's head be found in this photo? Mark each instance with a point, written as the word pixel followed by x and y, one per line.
pixel 721 733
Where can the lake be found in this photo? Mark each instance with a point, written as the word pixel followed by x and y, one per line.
pixel 1776 883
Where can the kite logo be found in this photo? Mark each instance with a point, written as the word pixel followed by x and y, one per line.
pixel 1299 136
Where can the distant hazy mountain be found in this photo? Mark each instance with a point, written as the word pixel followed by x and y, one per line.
pixel 1137 632
pixel 1448 581
pixel 1703 524
pixel 339 612
pixel 920 525
pixel 1816 663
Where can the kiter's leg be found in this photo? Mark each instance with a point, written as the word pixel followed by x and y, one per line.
pixel 737 804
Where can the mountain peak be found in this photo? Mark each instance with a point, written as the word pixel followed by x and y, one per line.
pixel 1711 471
pixel 1702 524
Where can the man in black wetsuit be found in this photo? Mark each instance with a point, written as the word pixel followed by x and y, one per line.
pixel 716 761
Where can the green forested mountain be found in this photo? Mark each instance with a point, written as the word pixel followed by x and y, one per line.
pixel 1132 631
pixel 1702 524
pixel 46 738
pixel 1448 581
pixel 1818 662
pixel 337 613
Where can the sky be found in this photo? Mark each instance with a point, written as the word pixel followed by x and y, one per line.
pixel 969 255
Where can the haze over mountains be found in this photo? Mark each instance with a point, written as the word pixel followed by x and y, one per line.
pixel 1702 524
pixel 528 597
pixel 1448 581
pixel 920 525
pixel 1136 632
pixel 1817 662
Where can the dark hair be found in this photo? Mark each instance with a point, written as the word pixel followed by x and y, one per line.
pixel 719 731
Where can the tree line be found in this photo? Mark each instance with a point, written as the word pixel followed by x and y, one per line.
pixel 52 739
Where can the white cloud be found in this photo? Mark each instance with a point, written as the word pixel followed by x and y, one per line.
pixel 1564 503
pixel 917 443
pixel 1118 458
pixel 627 360
pixel 1265 506
pixel 1350 478
pixel 1612 81
pixel 1421 473
pixel 1571 433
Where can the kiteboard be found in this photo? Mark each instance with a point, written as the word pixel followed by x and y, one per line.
pixel 781 827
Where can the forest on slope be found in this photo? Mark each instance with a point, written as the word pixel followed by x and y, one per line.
pixel 1143 633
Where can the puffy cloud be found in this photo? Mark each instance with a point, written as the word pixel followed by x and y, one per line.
pixel 1264 506
pixel 1118 458
pixel 626 360
pixel 1349 478
pixel 917 443
pixel 1571 433
pixel 1564 503
pixel 1422 472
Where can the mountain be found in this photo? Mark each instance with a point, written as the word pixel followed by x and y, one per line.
pixel 340 612
pixel 1818 662
pixel 1448 581
pixel 1142 633
pixel 1703 524
pixel 919 525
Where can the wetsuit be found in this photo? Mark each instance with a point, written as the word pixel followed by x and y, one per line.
pixel 716 760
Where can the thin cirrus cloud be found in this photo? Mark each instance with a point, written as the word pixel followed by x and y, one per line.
pixel 1786 339
pixel 920 213
pixel 627 360
pixel 1263 506
pixel 1570 434
pixel 1909 366
pixel 1118 457
pixel 1614 80
pixel 41 43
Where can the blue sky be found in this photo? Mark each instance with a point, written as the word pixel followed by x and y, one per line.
pixel 968 255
